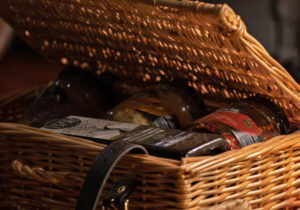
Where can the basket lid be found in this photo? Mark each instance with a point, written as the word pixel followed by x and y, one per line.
pixel 206 45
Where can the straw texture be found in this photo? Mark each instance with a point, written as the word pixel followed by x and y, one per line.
pixel 205 45
pixel 41 169
pixel 13 105
pixel 145 41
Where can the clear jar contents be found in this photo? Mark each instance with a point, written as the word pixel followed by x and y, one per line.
pixel 161 105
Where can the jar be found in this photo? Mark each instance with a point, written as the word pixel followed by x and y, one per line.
pixel 163 105
pixel 246 122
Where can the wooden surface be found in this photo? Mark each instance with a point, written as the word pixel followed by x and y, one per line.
pixel 22 68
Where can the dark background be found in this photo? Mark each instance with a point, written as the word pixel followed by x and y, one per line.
pixel 22 68
pixel 275 23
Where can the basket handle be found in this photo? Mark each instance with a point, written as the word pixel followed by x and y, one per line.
pixel 37 173
pixel 99 173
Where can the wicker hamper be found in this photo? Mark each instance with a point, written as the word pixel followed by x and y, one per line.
pixel 205 45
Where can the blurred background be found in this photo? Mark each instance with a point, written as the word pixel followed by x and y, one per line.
pixel 275 23
pixel 20 66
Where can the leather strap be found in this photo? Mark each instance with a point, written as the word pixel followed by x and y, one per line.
pixel 119 193
pixel 100 171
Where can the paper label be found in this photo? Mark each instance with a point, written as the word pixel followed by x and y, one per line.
pixel 156 136
pixel 89 127
pixel 112 130
pixel 244 128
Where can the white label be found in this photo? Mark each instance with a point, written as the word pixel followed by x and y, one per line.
pixel 89 127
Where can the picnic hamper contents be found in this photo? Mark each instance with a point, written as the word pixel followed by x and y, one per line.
pixel 79 92
pixel 78 103
pixel 120 89
pixel 74 91
pixel 206 45
pixel 246 122
pixel 161 105
pixel 171 143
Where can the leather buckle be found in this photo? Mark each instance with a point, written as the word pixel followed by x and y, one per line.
pixel 99 173
pixel 118 195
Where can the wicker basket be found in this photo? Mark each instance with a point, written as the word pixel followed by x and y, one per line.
pixel 144 41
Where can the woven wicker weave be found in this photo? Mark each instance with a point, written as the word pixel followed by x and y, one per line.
pixel 141 40
pixel 40 169
pixel 14 105
pixel 144 41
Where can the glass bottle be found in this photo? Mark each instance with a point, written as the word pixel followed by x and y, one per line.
pixel 160 105
pixel 246 122
pixel 121 89
pixel 74 91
